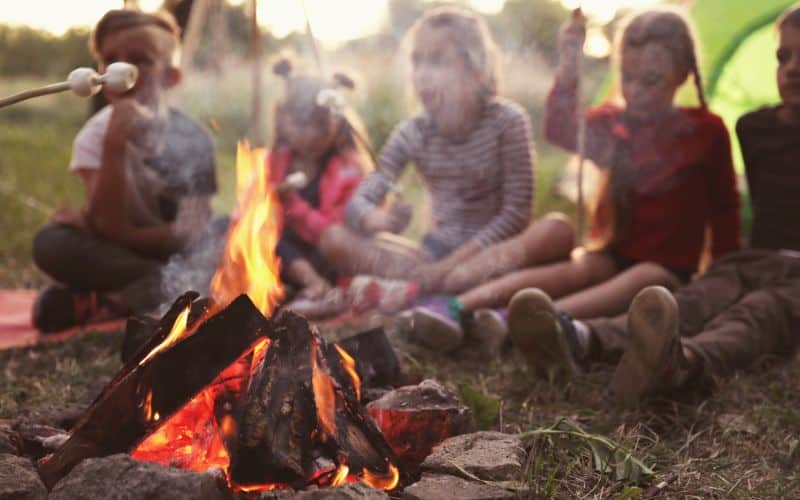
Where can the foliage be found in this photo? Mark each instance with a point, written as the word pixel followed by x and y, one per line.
pixel 31 52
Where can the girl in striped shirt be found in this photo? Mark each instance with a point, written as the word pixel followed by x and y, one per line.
pixel 473 150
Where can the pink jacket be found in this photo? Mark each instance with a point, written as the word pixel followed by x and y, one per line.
pixel 339 180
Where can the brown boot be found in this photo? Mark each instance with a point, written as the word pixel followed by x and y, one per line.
pixel 546 340
pixel 654 360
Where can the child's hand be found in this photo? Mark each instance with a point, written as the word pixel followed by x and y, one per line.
pixel 394 219
pixel 570 44
pixel 71 217
pixel 400 213
pixel 128 118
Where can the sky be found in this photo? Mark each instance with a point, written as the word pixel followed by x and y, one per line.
pixel 332 21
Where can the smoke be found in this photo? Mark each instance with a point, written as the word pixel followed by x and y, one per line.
pixel 194 268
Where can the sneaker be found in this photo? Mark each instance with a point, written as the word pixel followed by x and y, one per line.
pixel 58 308
pixel 487 330
pixel 334 302
pixel 545 337
pixel 436 325
pixel 368 293
pixel 653 361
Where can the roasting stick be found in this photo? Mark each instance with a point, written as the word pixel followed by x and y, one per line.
pixel 580 215
pixel 84 82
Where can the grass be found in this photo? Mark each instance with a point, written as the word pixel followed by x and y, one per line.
pixel 742 442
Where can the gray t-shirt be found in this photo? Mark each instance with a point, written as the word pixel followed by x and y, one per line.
pixel 181 164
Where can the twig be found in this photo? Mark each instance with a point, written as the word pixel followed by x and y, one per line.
pixel 659 486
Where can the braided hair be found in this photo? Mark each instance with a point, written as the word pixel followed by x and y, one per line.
pixel 669 28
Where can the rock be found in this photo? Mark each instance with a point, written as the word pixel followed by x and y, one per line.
pixel 443 487
pixel 416 418
pixel 356 491
pixel 9 441
pixel 491 456
pixel 121 477
pixel 19 479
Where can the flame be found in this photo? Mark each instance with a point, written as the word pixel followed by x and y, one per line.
pixel 194 437
pixel 175 334
pixel 324 396
pixel 349 365
pixel 249 264
pixel 386 482
pixel 341 475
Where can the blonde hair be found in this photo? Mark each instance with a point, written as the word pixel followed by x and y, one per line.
pixel 670 28
pixel 301 97
pixel 471 36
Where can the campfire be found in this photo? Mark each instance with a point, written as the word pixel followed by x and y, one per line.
pixel 235 384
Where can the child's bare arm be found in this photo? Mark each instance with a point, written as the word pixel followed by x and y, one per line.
pixel 106 189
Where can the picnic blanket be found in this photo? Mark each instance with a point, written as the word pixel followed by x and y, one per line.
pixel 16 329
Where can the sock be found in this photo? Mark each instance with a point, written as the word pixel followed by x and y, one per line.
pixel 583 335
pixel 454 308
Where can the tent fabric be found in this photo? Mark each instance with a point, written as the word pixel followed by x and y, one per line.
pixel 738 43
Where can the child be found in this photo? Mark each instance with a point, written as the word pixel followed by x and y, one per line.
pixel 670 173
pixel 473 150
pixel 148 172
pixel 745 308
pixel 316 135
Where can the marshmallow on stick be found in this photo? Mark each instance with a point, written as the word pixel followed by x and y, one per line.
pixel 84 82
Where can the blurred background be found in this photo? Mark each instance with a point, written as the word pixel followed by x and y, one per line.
pixel 41 41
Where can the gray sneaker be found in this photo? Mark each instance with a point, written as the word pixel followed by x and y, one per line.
pixel 486 331
pixel 434 331
pixel 541 335
pixel 653 361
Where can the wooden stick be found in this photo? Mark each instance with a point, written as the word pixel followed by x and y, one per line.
pixel 30 94
pixel 580 215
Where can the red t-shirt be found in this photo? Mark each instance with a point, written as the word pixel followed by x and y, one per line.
pixel 684 178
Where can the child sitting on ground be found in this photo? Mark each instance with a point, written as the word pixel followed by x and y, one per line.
pixel 148 172
pixel 474 152
pixel 670 175
pixel 744 309
pixel 316 134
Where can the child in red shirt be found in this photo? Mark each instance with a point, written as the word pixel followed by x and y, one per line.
pixel 669 173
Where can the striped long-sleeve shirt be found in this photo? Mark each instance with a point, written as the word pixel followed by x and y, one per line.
pixel 480 189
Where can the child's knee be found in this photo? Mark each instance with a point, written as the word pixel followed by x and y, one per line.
pixel 333 240
pixel 560 227
pixel 47 249
pixel 555 229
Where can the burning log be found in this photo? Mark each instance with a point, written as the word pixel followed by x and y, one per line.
pixel 156 383
pixel 302 413
pixel 376 362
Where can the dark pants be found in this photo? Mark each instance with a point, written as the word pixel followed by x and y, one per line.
pixel 290 248
pixel 84 262
pixel 744 308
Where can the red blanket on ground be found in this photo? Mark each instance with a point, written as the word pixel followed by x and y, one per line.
pixel 16 329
